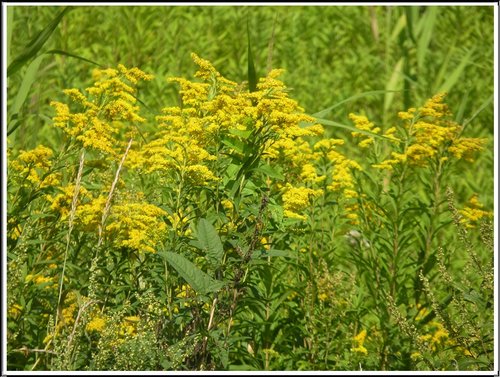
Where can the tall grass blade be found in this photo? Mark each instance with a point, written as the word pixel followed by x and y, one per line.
pixel 15 124
pixel 461 109
pixel 456 74
pixel 28 80
pixel 400 24
pixel 393 83
pixel 443 70
pixel 410 16
pixel 10 21
pixel 270 48
pixel 36 44
pixel 252 76
pixel 426 26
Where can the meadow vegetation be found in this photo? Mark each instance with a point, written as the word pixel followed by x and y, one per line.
pixel 250 188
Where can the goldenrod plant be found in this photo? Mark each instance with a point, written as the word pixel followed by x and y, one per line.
pixel 226 228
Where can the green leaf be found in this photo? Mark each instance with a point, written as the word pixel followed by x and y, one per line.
pixel 269 171
pixel 197 279
pixel 474 297
pixel 35 44
pixel 280 253
pixel 277 212
pixel 488 102
pixel 15 123
pixel 237 145
pixel 244 134
pixel 210 242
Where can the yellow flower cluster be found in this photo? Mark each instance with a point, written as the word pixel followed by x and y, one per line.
pixel 296 199
pixel 137 226
pixel 430 136
pixel 61 203
pixel 473 213
pixel 15 311
pixel 360 340
pixel 128 326
pixel 361 122
pixel 33 167
pixel 38 279
pixel 465 147
pixel 218 117
pixel 436 336
pixel 341 179
pixel 114 329
pixel 132 222
pixel 106 109
pixel 97 324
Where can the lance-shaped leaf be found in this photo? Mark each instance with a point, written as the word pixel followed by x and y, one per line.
pixel 200 281
pixel 210 242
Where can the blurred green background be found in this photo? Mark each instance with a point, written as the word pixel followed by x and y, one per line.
pixel 330 53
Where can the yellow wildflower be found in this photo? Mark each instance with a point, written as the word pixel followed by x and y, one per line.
pixel 15 311
pixel 360 349
pixel 359 340
pixel 430 136
pixel 97 324
pixel 415 356
pixel 76 95
pixel 309 174
pixel 435 107
pixel 465 147
pixel 407 115
pixel 265 243
pixel 296 199
pixel 61 203
pixel 227 204
pixel 136 225
pixel 128 326
pixel 362 123
pixel 199 174
pixel 33 165
pixel 473 213
pixel 106 105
